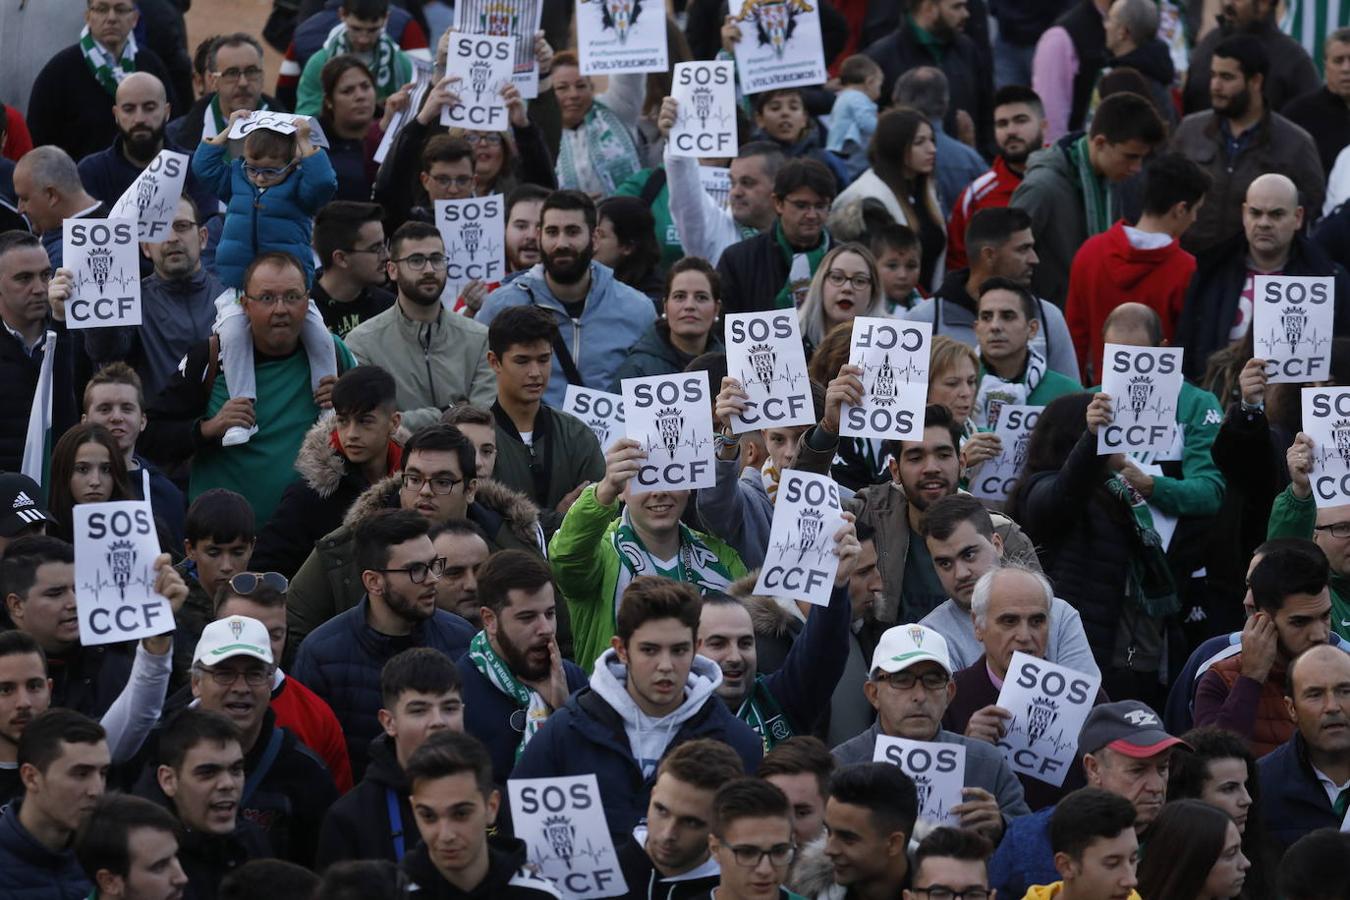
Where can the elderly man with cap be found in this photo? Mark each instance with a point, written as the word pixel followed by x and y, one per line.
pixel 21 512
pixel 1125 751
pixel 910 686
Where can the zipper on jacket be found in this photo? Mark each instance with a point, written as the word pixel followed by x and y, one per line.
pixel 424 338
pixel 576 344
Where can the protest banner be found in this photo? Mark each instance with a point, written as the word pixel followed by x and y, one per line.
pixel 1013 427
pixel 600 410
pixel 1144 384
pixel 115 550
pixel 518 19
pixel 424 77
pixel 618 36
pixel 780 45
pixel 893 355
pixel 705 124
pixel 801 562
pixel 103 259
pixel 280 122
pixel 152 199
pixel 764 353
pixel 1049 704
pixel 1326 419
pixel 562 822
pixel 716 183
pixel 474 232
pixel 671 417
pixel 1291 326
pixel 483 64
pixel 938 771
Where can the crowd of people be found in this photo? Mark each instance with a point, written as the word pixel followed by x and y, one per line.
pixel 403 578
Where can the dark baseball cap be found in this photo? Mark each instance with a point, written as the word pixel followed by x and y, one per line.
pixel 19 506
pixel 1127 727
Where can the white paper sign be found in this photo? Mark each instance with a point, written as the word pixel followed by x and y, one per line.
pixel 801 563
pixel 995 477
pixel 280 122
pixel 600 410
pixel 518 19
pixel 617 36
pixel 1049 704
pixel 483 64
pixel 671 417
pixel 1144 384
pixel 562 822
pixel 1326 419
pixel 706 122
pixel 423 77
pixel 938 771
pixel 764 353
pixel 474 231
pixel 152 199
pixel 1291 326
pixel 115 550
pixel 102 256
pixel 716 183
pixel 780 45
pixel 893 354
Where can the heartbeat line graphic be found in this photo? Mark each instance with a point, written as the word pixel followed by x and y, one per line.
pixel 693 442
pixel 1057 740
pixel 1159 409
pixel 909 370
pixel 749 377
pixel 541 857
pixel 1323 455
pixel 1276 338
pixel 803 550
pixel 121 279
pixel 100 585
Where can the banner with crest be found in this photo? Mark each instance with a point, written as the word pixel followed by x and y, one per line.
pixel 800 562
pixel 1292 319
pixel 115 550
pixel 152 199
pixel 518 19
pixel 780 45
pixel 671 417
pixel 1049 704
pixel 618 36
pixel 1326 419
pixel 937 769
pixel 600 410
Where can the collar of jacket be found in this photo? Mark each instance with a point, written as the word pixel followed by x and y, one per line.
pixel 600 722
pixel 374 642
pixel 1262 128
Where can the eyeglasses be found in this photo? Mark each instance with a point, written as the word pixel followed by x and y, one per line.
pixel 419 261
pixel 290 298
pixel 1336 529
pixel 417 572
pixel 459 181
pixel 859 282
pixel 381 251
pixel 252 73
pixel 254 677
pixel 802 206
pixel 749 856
pixel 246 583
pixel 183 226
pixel 942 892
pixel 266 171
pixel 905 681
pixel 440 484
pixel 105 10
pixel 473 138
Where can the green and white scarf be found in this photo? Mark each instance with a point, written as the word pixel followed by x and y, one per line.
pixel 695 564
pixel 1098 203
pixel 213 123
pixel 801 268
pixel 106 69
pixel 1148 584
pixel 610 154
pixel 494 669
pixel 764 715
pixel 383 59
pixel 995 392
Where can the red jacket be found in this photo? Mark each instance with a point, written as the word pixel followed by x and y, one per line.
pixel 993 188
pixel 1108 271
pixel 303 712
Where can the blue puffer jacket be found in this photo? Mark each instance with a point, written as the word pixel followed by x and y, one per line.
pixel 341 662
pixel 1294 801
pixel 614 319
pixel 29 871
pixel 259 221
pixel 1024 857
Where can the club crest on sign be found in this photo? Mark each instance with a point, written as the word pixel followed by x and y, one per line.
pixel 1293 319
pixel 561 834
pixel 885 391
pixel 479 73
pixel 1340 433
pixel 775 20
pixel 1041 714
pixel 99 261
pixel 702 98
pixel 1140 389
pixel 145 192
pixel 670 425
pixel 809 523
pixel 1020 450
pixel 499 19
pixel 121 559
pixel 923 785
pixel 472 236
pixel 763 360
pixel 600 428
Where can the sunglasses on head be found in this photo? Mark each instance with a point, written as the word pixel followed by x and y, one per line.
pixel 247 583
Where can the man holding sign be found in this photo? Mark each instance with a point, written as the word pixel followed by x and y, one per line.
pixel 1297 514
pixel 911 686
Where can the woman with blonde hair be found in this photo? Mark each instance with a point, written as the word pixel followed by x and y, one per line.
pixel 845 286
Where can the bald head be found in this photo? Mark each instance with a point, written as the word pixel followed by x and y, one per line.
pixel 1271 217
pixel 1273 188
pixel 1321 662
pixel 1134 325
pixel 139 85
pixel 141 110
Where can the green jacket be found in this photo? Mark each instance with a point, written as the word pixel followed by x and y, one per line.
pixel 309 94
pixel 1292 517
pixel 667 235
pixel 565 443
pixel 586 566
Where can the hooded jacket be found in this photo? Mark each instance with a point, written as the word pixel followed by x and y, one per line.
pixel 328 582
pixel 508 877
pixel 30 871
pixel 315 503
pixel 1051 194
pixel 646 883
pixel 1110 270
pixel 614 318
pixel 601 730
pixel 1153 60
pixel 654 354
pixel 563 453
pixel 207 858
pixel 1292 73
pixel 358 825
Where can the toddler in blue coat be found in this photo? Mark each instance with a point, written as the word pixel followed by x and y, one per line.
pixel 271 196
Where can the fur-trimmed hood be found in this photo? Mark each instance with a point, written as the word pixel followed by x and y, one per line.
pixel 320 464
pixel 768 617
pixel 517 511
pixel 812 875
pixel 382 494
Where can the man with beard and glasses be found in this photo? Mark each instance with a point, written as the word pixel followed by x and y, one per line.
pixel 514 675
pixel 600 317
pixel 141 109
pixel 1241 138
pixel 437 358
pixel 1019 130
pixel 341 659
pixel 234 77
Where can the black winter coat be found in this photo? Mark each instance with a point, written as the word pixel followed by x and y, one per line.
pixel 18 382
pixel 507 878
pixel 208 858
pixel 89 679
pixel 357 825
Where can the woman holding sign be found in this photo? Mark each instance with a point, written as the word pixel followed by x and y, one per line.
pixel 846 285
pixel 86 467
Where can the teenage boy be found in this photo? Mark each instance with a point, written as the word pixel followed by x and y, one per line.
pixel 752 841
pixel 1096 848
pixel 218 540
pixel 349 240
pixel 128 848
pixel 421 696
pixel 339 459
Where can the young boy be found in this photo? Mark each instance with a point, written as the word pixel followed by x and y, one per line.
pixel 271 197
pixel 854 114
pixel 896 248
pixel 420 694
pixel 752 841
pixel 1096 848
pixel 219 534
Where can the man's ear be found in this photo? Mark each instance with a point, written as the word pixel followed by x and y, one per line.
pixel 168 781
pixel 494 362
pixel 372 582
pixel 108 884
pixel 489 619
pixel 494 803
pixel 30 777
pixel 617 643
pixel 1033 327
pixel 386 721
pixel 14 606
pixel 1064 866
pixel 870 692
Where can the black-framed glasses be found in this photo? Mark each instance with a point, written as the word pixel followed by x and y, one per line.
pixel 381 251
pixel 417 572
pixel 440 484
pixel 905 681
pixel 942 892
pixel 1335 529
pixel 447 181
pixel 474 138
pixel 838 277
pixel 184 226
pixel 749 856
pixel 253 677
pixel 252 73
pixel 419 261
pixel 246 583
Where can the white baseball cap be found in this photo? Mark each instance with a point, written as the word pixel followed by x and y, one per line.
pixel 905 645
pixel 234 636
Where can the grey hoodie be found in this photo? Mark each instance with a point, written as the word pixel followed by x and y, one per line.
pixel 648 736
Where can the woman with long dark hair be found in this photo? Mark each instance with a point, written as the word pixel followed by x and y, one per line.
pixel 87 467
pixel 349 122
pixel 693 301
pixel 625 240
pixel 1197 855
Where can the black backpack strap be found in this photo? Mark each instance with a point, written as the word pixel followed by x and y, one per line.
pixel 569 366
pixel 655 184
